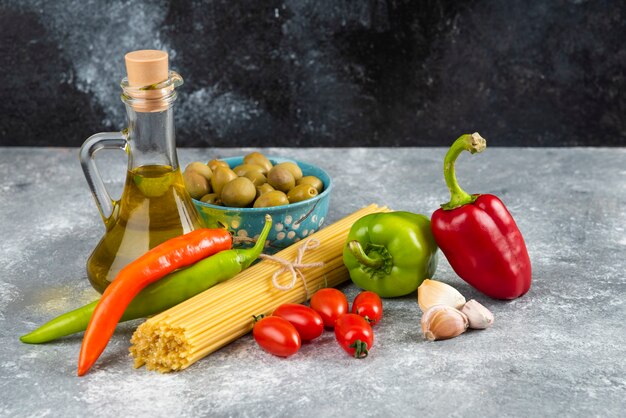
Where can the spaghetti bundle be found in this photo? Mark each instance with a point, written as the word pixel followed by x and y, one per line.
pixel 182 335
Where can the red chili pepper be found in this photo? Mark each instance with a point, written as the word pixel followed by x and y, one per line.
pixel 478 235
pixel 155 264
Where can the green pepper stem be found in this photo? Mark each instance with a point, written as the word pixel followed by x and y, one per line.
pixel 247 256
pixel 357 251
pixel 469 142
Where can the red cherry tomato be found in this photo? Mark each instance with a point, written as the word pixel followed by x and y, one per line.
pixel 368 305
pixel 307 322
pixel 277 336
pixel 354 334
pixel 330 304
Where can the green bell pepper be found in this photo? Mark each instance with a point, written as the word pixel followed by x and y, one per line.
pixel 390 253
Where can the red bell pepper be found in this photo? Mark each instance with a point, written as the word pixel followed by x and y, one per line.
pixel 478 235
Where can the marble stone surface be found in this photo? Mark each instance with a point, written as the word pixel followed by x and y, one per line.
pixel 557 351
pixel 323 72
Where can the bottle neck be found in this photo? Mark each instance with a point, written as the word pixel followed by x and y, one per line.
pixel 151 138
pixel 150 109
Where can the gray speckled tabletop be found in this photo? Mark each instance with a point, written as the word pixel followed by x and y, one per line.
pixel 559 350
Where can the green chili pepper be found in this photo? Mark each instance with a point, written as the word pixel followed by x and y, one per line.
pixel 390 253
pixel 159 296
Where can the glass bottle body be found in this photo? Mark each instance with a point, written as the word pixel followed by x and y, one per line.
pixel 154 205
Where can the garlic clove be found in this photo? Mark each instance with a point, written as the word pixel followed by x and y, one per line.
pixel 479 317
pixel 433 292
pixel 441 322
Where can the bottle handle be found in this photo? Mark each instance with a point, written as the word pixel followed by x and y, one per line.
pixel 104 140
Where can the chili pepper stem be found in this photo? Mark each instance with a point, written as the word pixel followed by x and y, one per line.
pixel 248 256
pixel 357 250
pixel 469 142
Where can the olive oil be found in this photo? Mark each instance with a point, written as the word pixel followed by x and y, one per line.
pixel 154 207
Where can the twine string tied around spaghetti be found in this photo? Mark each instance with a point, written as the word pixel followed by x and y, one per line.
pixel 294 267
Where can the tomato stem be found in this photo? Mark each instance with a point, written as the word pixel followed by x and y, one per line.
pixel 367 318
pixel 360 349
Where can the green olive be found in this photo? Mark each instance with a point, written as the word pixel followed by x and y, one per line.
pixel 263 188
pixel 273 198
pixel 301 192
pixel 196 184
pixel 258 159
pixel 293 168
pixel 313 181
pixel 243 169
pixel 238 193
pixel 256 177
pixel 211 198
pixel 200 168
pixel 213 164
pixel 281 179
pixel 221 176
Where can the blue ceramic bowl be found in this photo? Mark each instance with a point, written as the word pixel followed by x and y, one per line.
pixel 291 223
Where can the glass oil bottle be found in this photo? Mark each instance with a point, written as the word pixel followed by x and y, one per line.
pixel 154 205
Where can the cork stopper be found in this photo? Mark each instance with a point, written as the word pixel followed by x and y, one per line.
pixel 146 67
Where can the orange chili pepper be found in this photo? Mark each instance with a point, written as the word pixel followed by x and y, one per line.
pixel 155 264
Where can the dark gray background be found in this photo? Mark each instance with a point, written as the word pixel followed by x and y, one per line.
pixel 323 72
